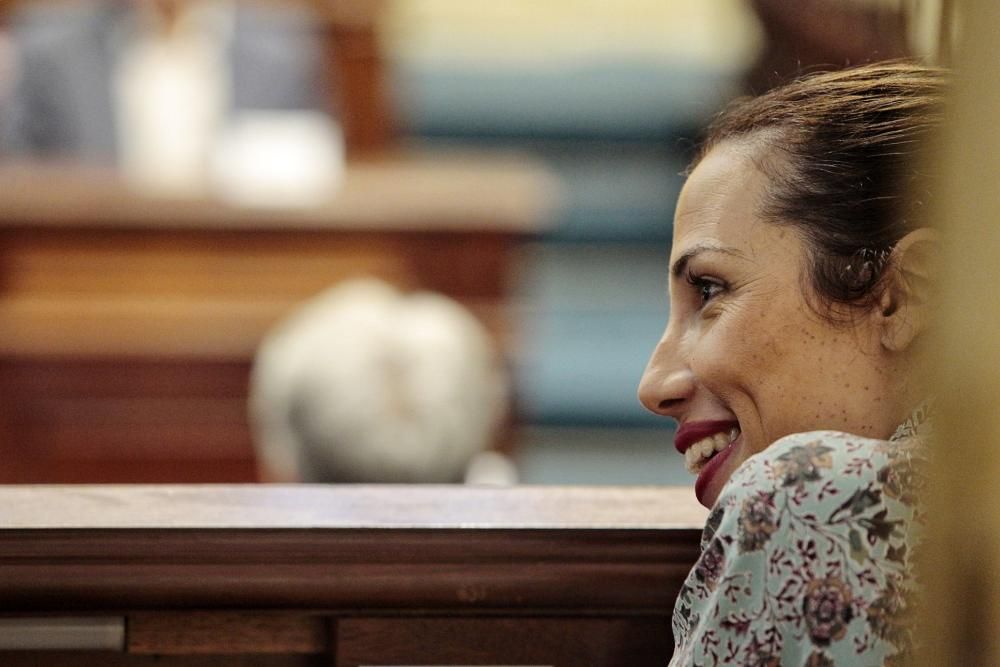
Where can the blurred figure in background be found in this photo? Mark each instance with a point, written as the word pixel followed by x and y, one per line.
pixel 366 384
pixel 152 85
pixel 825 35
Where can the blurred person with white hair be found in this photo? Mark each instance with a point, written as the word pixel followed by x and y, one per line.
pixel 365 384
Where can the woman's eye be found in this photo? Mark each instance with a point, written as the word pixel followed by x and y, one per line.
pixel 707 288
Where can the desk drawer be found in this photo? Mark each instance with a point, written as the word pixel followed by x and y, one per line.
pixel 552 642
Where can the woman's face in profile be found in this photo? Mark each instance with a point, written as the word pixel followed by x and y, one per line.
pixel 745 360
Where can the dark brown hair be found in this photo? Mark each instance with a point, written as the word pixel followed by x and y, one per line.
pixel 840 152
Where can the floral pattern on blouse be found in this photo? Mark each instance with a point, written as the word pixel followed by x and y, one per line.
pixel 807 557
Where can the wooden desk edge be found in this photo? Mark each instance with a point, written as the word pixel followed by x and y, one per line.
pixel 347 506
pixel 458 550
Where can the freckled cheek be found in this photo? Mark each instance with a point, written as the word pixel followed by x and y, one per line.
pixel 727 358
pixel 748 365
pixel 795 391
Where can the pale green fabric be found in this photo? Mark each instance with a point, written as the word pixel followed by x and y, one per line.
pixel 807 556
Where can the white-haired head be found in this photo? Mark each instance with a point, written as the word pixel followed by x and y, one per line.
pixel 366 384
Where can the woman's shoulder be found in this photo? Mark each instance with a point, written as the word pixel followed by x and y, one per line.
pixel 819 466
pixel 857 491
pixel 807 555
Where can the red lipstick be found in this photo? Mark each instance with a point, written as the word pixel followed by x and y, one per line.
pixel 692 432
pixel 711 471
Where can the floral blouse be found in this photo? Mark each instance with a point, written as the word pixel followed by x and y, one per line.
pixel 807 556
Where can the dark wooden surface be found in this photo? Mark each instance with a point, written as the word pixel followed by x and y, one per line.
pixel 128 324
pixel 222 633
pixel 352 576
pixel 521 641
pixel 102 659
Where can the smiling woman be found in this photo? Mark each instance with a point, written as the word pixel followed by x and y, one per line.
pixel 800 288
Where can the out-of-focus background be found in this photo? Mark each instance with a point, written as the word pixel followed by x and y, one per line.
pixel 179 176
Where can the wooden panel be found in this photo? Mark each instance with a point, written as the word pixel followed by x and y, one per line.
pixel 193 633
pixel 229 265
pixel 136 428
pixel 319 506
pixel 125 421
pixel 537 551
pixel 559 642
pixel 119 471
pixel 353 575
pixel 158 264
pixel 77 332
pixel 70 659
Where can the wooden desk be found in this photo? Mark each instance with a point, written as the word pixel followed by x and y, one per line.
pixel 127 324
pixel 346 576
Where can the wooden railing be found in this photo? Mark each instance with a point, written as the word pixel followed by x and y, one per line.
pixel 344 576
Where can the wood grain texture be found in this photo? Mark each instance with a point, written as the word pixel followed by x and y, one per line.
pixel 273 265
pixel 313 506
pixel 72 659
pixel 557 642
pixel 157 420
pixel 420 550
pixel 226 633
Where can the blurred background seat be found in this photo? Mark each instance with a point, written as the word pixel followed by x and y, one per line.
pixel 610 97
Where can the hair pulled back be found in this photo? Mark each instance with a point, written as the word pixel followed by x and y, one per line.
pixel 840 152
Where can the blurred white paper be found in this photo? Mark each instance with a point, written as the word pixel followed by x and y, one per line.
pixel 172 93
pixel 278 159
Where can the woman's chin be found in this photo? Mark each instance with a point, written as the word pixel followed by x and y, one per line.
pixel 710 492
pixel 717 471
pixel 708 497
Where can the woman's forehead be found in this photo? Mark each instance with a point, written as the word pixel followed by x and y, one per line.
pixel 719 199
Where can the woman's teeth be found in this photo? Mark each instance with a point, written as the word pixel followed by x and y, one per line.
pixel 701 451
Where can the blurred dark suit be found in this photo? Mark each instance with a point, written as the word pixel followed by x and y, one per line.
pixel 62 104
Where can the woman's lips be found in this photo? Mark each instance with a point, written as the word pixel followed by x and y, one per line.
pixel 692 432
pixel 712 471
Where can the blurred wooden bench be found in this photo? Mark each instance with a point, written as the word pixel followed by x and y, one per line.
pixel 344 576
pixel 127 324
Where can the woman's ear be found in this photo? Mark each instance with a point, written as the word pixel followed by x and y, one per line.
pixel 907 301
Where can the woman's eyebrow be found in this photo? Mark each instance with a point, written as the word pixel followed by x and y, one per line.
pixel 681 262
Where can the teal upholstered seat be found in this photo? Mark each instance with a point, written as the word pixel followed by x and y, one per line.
pixel 617 134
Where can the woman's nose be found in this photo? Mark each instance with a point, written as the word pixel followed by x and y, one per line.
pixel 667 383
